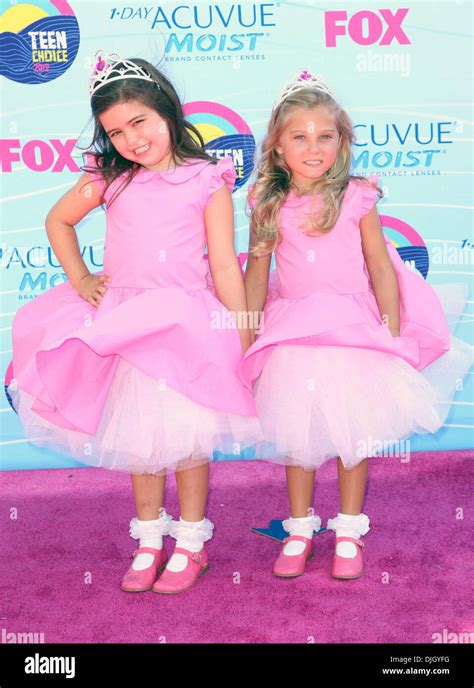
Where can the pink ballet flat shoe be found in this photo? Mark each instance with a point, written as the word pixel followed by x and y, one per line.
pixel 170 582
pixel 139 581
pixel 343 567
pixel 290 565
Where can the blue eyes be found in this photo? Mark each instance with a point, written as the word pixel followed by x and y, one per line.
pixel 138 121
pixel 324 136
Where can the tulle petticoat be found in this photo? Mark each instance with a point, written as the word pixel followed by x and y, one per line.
pixel 145 428
pixel 319 402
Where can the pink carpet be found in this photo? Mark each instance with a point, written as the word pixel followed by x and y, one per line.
pixel 64 555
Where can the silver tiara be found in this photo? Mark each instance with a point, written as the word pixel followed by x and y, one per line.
pixel 302 80
pixel 111 67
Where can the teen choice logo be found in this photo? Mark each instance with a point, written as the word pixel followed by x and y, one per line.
pixel 409 244
pixel 38 40
pixel 225 134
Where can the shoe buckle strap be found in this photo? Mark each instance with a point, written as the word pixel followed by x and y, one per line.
pixel 194 556
pixel 143 551
pixel 357 541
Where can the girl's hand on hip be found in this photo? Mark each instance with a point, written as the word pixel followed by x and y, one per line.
pixel 92 289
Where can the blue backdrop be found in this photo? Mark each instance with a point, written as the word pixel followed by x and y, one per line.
pixel 399 68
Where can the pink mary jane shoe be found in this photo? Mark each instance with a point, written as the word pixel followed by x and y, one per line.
pixel 139 581
pixel 171 582
pixel 290 565
pixel 344 567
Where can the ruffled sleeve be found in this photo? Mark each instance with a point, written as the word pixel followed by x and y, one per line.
pixel 95 176
pixel 369 194
pixel 221 173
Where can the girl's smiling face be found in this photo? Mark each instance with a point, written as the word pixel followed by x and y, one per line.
pixel 309 143
pixel 138 133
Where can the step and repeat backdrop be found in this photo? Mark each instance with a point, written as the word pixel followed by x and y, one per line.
pixel 402 70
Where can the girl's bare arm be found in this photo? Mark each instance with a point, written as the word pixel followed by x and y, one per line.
pixel 74 205
pixel 381 271
pixel 256 285
pixel 223 262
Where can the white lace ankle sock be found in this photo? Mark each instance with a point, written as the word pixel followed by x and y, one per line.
pixel 150 533
pixel 304 526
pixel 190 535
pixel 348 525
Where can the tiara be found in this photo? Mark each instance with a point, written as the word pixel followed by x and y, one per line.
pixel 106 70
pixel 301 80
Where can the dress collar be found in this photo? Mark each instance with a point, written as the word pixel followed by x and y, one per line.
pixel 178 175
pixel 292 200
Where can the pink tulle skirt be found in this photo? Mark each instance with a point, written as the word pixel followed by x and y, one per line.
pixel 319 402
pixel 145 428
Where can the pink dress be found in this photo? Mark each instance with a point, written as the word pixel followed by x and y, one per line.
pixel 150 378
pixel 329 378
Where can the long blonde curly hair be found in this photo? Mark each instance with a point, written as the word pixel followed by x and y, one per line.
pixel 273 181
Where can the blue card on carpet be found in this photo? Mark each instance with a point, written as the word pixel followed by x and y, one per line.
pixel 275 530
